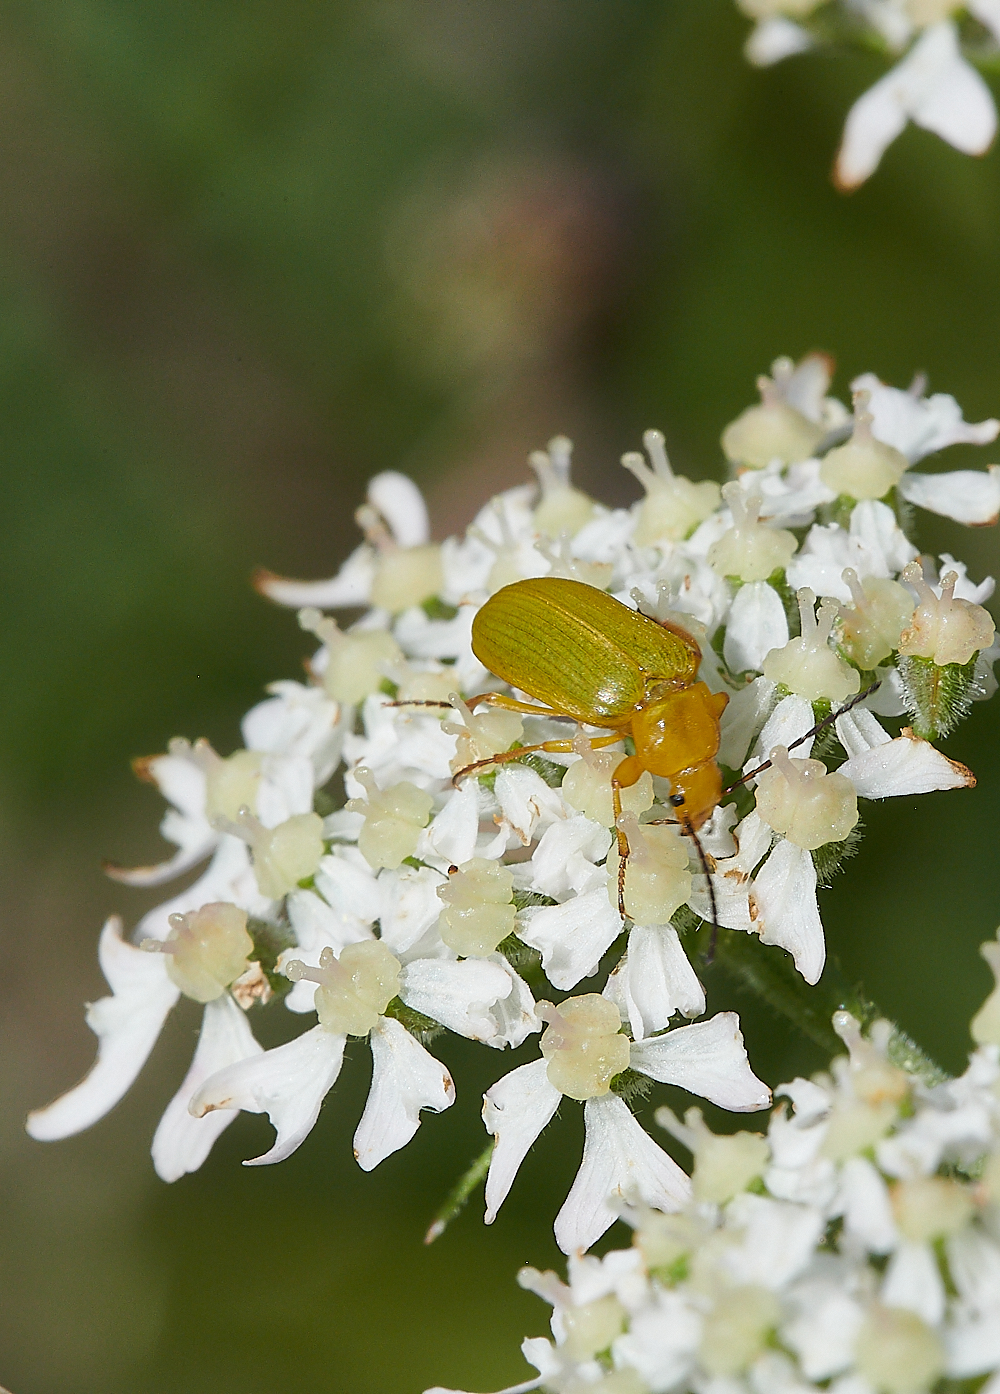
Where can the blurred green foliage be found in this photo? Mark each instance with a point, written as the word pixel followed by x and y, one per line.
pixel 249 254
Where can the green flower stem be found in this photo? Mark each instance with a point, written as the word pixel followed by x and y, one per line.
pixel 770 974
pixel 459 1194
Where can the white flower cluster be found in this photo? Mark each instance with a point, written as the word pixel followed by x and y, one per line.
pixel 478 853
pixel 855 1248
pixel 933 84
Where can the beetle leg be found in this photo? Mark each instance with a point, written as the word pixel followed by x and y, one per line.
pixel 616 803
pixel 503 757
pixel 510 704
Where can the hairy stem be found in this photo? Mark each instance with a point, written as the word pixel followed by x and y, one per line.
pixel 459 1194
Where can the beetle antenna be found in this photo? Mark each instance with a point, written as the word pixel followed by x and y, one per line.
pixel 809 735
pixel 419 703
pixel 690 832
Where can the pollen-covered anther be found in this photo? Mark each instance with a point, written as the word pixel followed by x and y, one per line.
pixel 773 430
pixel 404 576
pixel 657 875
pixel 749 550
pixel 674 505
pixel 481 734
pixel 871 625
pixel 479 912
pixel 356 661
pixel 584 1045
pixel 944 629
pixel 394 818
pixel 353 990
pixel 561 508
pixel 206 949
pixel 799 799
pixel 586 785
pixel 807 665
pixel 282 856
pixel 863 468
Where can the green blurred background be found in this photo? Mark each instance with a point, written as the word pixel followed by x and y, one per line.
pixel 251 253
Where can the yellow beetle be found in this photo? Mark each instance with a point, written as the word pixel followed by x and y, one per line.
pixel 590 658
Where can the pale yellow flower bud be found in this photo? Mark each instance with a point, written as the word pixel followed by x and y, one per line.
pixel 404 576
pixel 481 734
pixel 773 430
pixel 592 1327
pixel 206 949
pixel 426 687
pixel 657 879
pixel 929 1207
pixel 665 1239
pixel 749 550
pixel 872 624
pixel 285 855
pixel 985 1025
pixel 896 1352
pixel 736 1330
pixel 354 990
pixel 673 506
pixel 584 1045
pixel 807 665
pixel 926 12
pixel 863 468
pixel 394 818
pixel 561 507
pixel 479 913
pixel 586 785
pixel 724 1164
pixel 801 800
pixel 357 662
pixel 232 784
pixel 944 629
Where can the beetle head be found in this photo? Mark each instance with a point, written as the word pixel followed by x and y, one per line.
pixel 701 789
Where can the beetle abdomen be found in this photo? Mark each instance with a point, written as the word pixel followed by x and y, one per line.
pixel 577 649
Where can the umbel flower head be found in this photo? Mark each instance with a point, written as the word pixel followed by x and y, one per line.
pixel 854 1247
pixel 508 868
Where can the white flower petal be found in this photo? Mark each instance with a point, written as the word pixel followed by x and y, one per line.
pixel 906 765
pixel 969 496
pixel 824 1332
pixel 352 584
pixel 959 107
pixel 571 937
pixel 347 883
pixel 405 1079
pixel 787 913
pixel 662 1341
pixel 774 39
pixel 778 1239
pixel 654 980
pixel 917 425
pixel 126 1025
pixel 180 778
pixel 297 720
pixel 731 880
pixel 526 801
pixel 451 835
pixel 743 718
pixel 457 994
pixel 515 1110
pixel 858 731
pixel 565 856
pixel 514 1013
pixel 181 1142
pixel 757 624
pixel 620 1162
pixel 988 13
pixel 402 506
pixel 867 1210
pixel 316 928
pixel 228 876
pixel 790 720
pixel 913 1281
pixel 412 906
pixel 707 1058
pixel 288 1083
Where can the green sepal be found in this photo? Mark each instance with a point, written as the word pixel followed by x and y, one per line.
pixel 269 942
pixel 437 609
pixel 631 1086
pixel 936 697
pixel 389 688
pixel 521 956
pixel 324 803
pixel 829 858
pixel 424 1028
pixel 524 900
pixel 547 770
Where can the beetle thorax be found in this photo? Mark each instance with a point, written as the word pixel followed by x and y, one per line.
pixel 678 730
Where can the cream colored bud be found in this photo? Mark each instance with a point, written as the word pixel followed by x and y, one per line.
pixel 749 550
pixel 592 1327
pixel 855 1126
pixel 481 734
pixel 930 1207
pixel 896 1352
pixel 583 1045
pixel 807 665
pixel 232 784
pixel 724 1164
pixel 673 506
pixel 206 949
pixel 737 1328
pixel 394 818
pixel 426 687
pixel 874 1078
pixel 665 1239
pixel 863 468
pixel 406 576
pixel 871 625
pixel 773 430
pixel 769 9
pixel 479 913
pixel 586 785
pixel 285 855
pixel 657 879
pixel 985 1025
pixel 353 990
pixel 801 800
pixel 357 662
pixel 561 507
pixel 944 629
